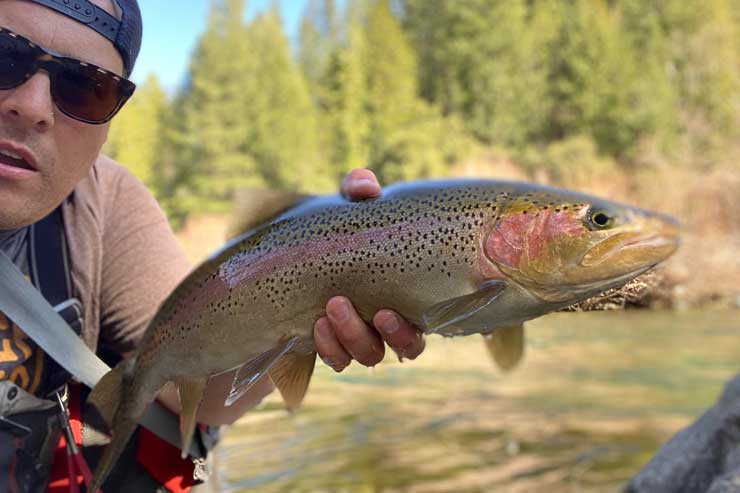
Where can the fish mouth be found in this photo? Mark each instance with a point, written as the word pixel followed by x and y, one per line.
pixel 639 247
pixel 567 293
pixel 605 284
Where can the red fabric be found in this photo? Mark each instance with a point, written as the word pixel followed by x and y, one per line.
pixel 162 460
pixel 59 471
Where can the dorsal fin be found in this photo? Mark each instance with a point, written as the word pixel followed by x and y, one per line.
pixel 256 206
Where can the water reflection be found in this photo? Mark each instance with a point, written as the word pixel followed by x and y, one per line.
pixel 596 395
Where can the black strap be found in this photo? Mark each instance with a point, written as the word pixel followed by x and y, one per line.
pixel 49 266
pixel 49 259
pixel 50 270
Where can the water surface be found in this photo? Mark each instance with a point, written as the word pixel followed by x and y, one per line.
pixel 594 398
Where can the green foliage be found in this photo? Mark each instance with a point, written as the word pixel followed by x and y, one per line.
pixel 408 88
pixel 283 132
pixel 136 133
pixel 213 144
pixel 595 79
pixel 344 104
pixel 486 61
pixel 317 36
pixel 571 162
pixel 248 117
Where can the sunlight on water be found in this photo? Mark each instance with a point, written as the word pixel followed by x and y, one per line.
pixel 594 398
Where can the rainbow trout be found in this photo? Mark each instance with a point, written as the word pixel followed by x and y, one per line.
pixel 455 258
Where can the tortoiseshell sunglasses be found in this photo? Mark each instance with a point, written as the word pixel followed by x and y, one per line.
pixel 80 90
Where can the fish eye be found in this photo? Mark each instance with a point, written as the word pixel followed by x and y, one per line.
pixel 600 219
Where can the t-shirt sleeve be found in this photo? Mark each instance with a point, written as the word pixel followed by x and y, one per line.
pixel 142 262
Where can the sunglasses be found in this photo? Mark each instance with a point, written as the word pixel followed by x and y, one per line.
pixel 80 90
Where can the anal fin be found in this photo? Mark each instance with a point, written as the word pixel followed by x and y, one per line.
pixel 191 393
pixel 256 368
pixel 291 375
pixel 506 346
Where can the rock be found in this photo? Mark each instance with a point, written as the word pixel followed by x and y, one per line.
pixel 702 458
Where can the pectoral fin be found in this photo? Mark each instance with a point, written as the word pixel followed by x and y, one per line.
pixel 256 368
pixel 291 375
pixel 449 317
pixel 191 393
pixel 506 346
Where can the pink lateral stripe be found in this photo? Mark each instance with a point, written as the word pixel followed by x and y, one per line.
pixel 213 290
pixel 249 267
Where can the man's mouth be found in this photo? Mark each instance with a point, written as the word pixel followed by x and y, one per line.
pixel 10 158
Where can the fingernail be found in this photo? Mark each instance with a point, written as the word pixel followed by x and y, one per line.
pixel 339 311
pixel 337 367
pixel 390 324
pixel 401 353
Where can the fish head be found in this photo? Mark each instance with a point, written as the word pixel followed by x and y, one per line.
pixel 563 247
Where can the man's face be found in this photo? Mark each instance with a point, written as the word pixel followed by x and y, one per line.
pixel 61 149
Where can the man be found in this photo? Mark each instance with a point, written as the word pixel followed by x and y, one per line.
pixel 123 258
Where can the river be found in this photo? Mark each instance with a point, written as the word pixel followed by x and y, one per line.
pixel 595 396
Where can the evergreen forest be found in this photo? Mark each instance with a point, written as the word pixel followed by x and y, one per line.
pixel 564 90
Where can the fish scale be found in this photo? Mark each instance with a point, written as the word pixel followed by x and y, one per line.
pixel 454 258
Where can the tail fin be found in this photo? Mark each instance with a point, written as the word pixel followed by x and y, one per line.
pixel 105 397
pixel 191 393
pixel 105 403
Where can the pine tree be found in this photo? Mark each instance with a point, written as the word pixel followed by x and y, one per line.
pixel 392 101
pixel 283 126
pixel 344 103
pixel 318 37
pixel 213 144
pixel 595 79
pixel 136 134
pixel 486 61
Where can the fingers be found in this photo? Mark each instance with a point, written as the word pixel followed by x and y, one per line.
pixel 328 346
pixel 360 184
pixel 401 336
pixel 342 336
pixel 350 333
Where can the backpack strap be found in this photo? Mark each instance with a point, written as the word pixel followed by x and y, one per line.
pixel 50 273
pixel 49 262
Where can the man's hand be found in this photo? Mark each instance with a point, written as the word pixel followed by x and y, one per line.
pixel 342 336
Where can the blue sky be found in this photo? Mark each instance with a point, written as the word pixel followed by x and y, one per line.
pixel 171 29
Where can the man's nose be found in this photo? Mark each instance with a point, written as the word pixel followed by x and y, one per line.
pixel 29 104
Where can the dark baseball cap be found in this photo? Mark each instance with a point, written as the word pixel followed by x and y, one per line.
pixel 124 34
